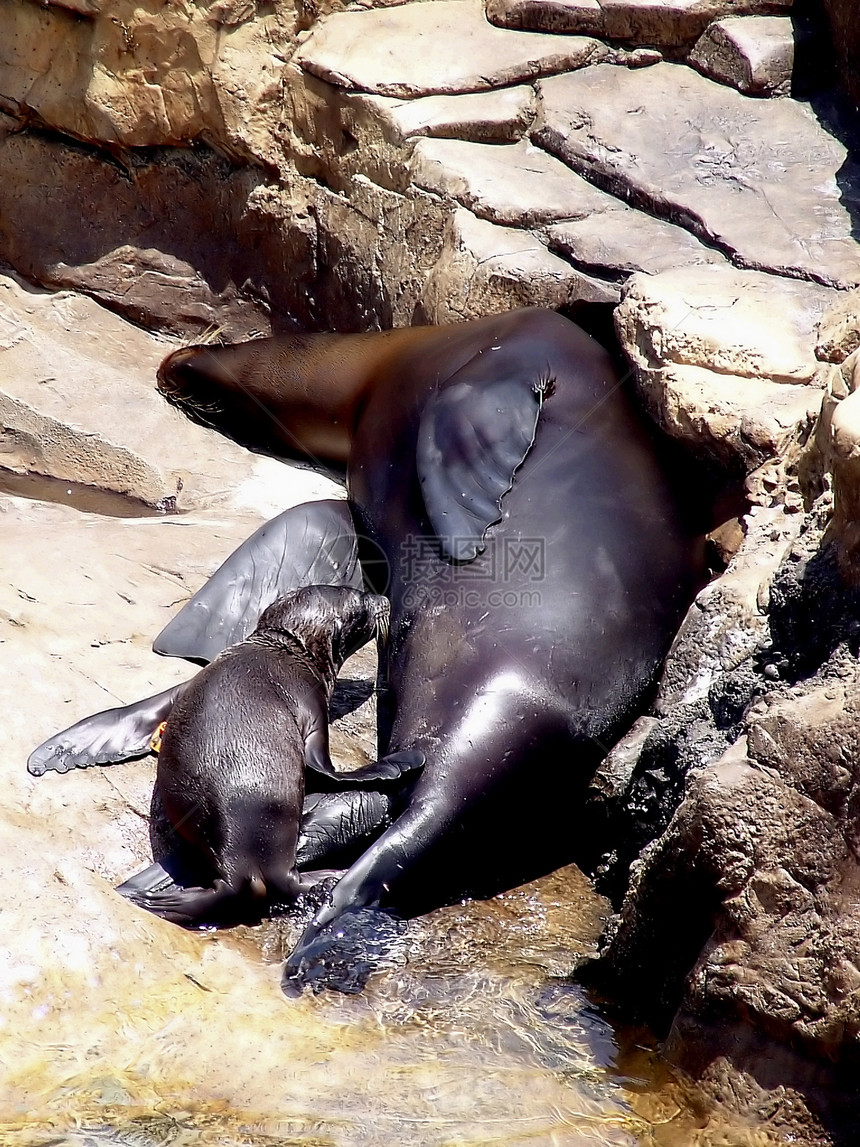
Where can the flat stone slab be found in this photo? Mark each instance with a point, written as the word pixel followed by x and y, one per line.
pixel 754 54
pixel 84 408
pixel 486 117
pixel 523 186
pixel 519 185
pixel 619 240
pixel 756 178
pixel 655 23
pixel 734 322
pixel 441 47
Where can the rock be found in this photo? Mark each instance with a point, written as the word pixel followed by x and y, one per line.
pixel 522 186
pixel 618 240
pixel 424 49
pixel 485 269
pixel 837 439
pixel 582 17
pixel 656 23
pixel 128 77
pixel 759 865
pixel 60 416
pixel 725 357
pixel 518 185
pixel 839 330
pixel 499 116
pixel 756 179
pixel 162 292
pixel 754 54
pixel 761 848
pixel 82 7
pixel 729 618
pixel 195 208
pixel 708 683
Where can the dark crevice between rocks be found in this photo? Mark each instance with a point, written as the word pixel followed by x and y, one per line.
pixel 813 613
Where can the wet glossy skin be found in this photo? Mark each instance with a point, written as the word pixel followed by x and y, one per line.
pixel 516 672
pixel 231 770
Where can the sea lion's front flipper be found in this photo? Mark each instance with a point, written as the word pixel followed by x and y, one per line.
pixel 310 544
pixel 326 778
pixel 156 878
pixel 389 768
pixel 473 436
pixel 105 738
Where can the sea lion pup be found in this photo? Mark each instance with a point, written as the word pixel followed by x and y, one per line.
pixel 231 769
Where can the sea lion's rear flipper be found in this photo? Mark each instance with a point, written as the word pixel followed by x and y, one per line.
pixel 473 436
pixel 105 738
pixel 310 544
pixel 337 827
pixel 190 907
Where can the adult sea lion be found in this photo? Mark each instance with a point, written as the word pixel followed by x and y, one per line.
pixel 232 762
pixel 539 567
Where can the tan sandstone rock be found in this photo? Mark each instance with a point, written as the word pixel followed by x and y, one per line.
pixel 754 178
pixel 484 269
pixel 754 54
pixel 726 357
pixel 837 438
pixel 60 415
pixel 130 77
pixel 839 330
pixel 659 23
pixel 424 49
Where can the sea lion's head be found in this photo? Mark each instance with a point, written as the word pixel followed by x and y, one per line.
pixel 330 622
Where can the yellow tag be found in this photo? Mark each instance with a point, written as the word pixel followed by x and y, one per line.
pixel 155 743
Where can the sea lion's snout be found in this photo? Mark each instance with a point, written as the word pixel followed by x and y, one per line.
pixel 169 377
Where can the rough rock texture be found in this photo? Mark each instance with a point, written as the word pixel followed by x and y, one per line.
pixel 134 447
pixel 720 359
pixel 757 179
pixel 131 77
pixel 762 848
pixel 754 54
pixel 664 24
pixel 448 46
pixel 839 330
pixel 522 186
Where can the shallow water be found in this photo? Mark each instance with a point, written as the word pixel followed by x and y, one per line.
pixel 89 499
pixel 473 1033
